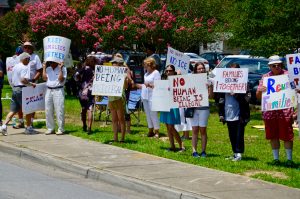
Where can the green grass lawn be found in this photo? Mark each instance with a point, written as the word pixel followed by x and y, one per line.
pixel 256 160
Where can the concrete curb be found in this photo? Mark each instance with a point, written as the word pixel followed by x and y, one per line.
pixel 98 174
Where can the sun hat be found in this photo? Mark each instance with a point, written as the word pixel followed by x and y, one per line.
pixel 27 43
pixel 274 59
pixel 23 56
pixel 117 60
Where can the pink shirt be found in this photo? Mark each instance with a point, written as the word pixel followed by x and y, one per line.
pixel 284 113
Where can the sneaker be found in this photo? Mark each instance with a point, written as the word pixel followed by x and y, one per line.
pixel 49 132
pixel 195 154
pixel 89 131
pixel 3 131
pixel 182 149
pixel 59 132
pixel 19 125
pixel 290 163
pixel 230 157
pixel 203 154
pixel 84 128
pixel 237 158
pixel 30 131
pixel 275 162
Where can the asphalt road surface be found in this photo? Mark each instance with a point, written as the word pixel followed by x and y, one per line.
pixel 22 179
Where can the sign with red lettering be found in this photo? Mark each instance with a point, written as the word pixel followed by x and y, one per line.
pixel 279 93
pixel 189 90
pixel 228 80
pixel 293 66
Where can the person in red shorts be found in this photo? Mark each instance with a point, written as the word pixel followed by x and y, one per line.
pixel 278 123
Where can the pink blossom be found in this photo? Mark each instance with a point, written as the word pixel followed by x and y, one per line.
pixel 121 38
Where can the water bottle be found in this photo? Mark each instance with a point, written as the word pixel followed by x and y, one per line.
pixel 14 121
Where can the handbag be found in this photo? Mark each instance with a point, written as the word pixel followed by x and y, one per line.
pixel 189 112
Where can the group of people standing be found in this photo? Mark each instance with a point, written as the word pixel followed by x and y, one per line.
pixel 27 72
pixel 233 107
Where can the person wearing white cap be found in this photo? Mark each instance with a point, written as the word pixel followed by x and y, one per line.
pixel 19 80
pixel 55 76
pixel 278 123
pixel 35 66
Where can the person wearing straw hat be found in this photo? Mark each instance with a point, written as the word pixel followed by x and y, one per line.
pixel 19 80
pixel 278 123
pixel 55 75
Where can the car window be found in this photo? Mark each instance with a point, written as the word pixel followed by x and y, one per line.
pixel 193 56
pixel 259 66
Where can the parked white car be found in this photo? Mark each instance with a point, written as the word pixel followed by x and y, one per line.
pixel 194 58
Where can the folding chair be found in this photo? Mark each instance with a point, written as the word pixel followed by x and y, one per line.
pixel 102 106
pixel 134 104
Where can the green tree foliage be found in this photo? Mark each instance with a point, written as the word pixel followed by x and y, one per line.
pixel 264 27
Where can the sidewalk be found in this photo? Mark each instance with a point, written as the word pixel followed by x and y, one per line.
pixel 137 171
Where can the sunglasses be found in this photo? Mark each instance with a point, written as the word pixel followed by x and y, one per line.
pixel 275 65
pixel 167 71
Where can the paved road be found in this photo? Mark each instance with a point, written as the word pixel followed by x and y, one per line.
pixel 21 179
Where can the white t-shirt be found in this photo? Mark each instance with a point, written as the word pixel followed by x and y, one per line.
pixel 52 77
pixel 149 78
pixel 35 64
pixel 19 71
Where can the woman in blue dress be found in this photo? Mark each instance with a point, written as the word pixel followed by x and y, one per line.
pixel 171 118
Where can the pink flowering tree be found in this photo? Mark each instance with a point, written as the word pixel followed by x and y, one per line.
pixel 51 17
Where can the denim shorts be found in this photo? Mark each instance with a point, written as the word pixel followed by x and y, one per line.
pixel 16 101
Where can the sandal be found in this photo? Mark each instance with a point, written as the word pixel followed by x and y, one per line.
pixel 156 135
pixel 150 134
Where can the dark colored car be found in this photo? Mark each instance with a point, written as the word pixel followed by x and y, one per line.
pixel 213 58
pixel 257 66
pixel 134 61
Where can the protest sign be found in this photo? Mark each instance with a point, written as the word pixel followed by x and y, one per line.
pixel 10 63
pixel 279 94
pixel 109 80
pixel 178 59
pixel 33 99
pixel 161 97
pixel 56 48
pixel 189 90
pixel 229 80
pixel 293 65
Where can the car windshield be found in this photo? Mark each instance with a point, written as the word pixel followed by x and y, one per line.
pixel 191 55
pixel 259 66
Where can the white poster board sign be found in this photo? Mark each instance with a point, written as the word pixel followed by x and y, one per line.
pixel 189 90
pixel 161 97
pixel 10 63
pixel 229 80
pixel 109 80
pixel 56 48
pixel 279 94
pixel 178 59
pixel 33 99
pixel 293 66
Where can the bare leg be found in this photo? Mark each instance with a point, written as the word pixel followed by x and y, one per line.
pixel 121 119
pixel 195 138
pixel 114 118
pixel 203 138
pixel 176 136
pixel 171 138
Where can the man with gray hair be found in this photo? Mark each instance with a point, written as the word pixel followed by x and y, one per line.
pixel 19 80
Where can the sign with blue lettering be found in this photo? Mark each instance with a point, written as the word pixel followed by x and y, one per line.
pixel 109 80
pixel 279 93
pixel 293 66
pixel 178 59
pixel 56 48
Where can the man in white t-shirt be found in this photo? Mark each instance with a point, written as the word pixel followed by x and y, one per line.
pixel 35 66
pixel 19 80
